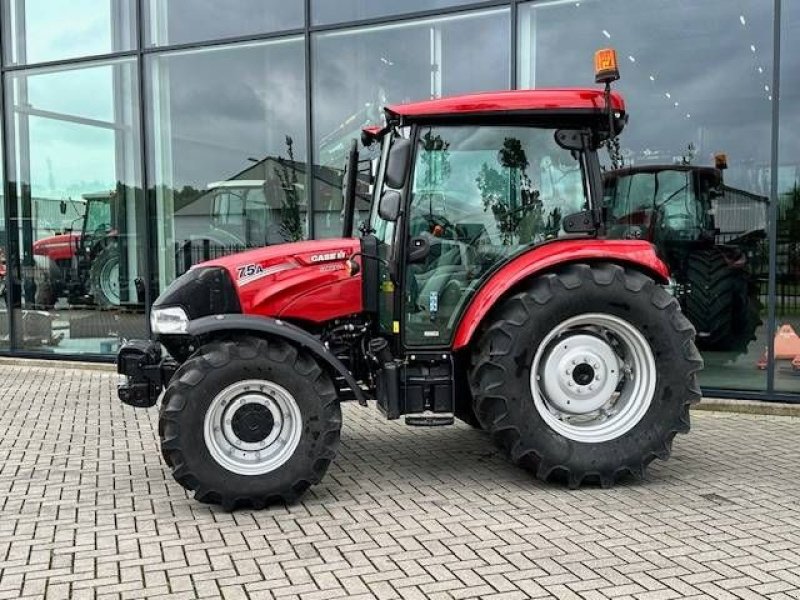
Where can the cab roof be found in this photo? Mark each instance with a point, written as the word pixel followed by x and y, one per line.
pixel 509 102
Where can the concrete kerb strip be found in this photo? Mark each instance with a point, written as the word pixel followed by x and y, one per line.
pixel 751 407
pixel 754 407
pixel 10 361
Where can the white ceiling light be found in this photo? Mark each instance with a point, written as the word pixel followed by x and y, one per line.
pixel 742 20
pixel 605 33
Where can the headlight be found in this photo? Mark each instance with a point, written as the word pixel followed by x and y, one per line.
pixel 169 320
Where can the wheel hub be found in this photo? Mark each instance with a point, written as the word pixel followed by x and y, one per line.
pixel 252 423
pixel 580 373
pixel 252 427
pixel 593 377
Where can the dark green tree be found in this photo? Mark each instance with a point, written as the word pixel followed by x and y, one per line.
pixel 291 222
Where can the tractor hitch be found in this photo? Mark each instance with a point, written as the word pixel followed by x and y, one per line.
pixel 146 372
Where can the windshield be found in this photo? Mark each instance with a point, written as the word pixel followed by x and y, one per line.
pixel 98 216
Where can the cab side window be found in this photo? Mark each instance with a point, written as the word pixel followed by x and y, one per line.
pixel 480 195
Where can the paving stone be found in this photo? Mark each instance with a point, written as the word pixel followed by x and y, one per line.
pixel 89 510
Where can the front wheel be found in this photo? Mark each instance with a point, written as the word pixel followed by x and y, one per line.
pixel 587 375
pixel 249 422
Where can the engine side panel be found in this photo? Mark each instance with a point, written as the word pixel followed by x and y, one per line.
pixel 307 280
pixel 638 254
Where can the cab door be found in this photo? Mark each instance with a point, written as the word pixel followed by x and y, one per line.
pixel 478 195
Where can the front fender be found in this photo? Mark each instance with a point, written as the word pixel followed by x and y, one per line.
pixel 231 323
pixel 636 254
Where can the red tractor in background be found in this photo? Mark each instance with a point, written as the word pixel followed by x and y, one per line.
pixel 482 288
pixel 81 266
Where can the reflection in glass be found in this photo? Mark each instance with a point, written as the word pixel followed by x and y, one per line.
pixel 787 342
pixel 170 22
pixel 480 195
pixel 76 220
pixel 324 12
pixel 696 78
pixel 228 166
pixel 407 61
pixel 4 253
pixel 44 30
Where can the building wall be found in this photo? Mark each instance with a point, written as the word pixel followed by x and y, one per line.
pixel 200 127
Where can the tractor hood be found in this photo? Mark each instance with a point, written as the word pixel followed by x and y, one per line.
pixel 57 247
pixel 301 281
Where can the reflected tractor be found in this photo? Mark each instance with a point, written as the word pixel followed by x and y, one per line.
pixel 673 206
pixel 482 289
pixel 81 266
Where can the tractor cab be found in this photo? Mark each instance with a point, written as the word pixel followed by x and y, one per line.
pixel 662 203
pixel 464 186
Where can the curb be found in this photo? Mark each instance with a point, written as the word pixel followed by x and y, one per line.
pixel 749 407
pixel 7 361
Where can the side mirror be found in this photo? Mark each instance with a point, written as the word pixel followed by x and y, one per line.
pixel 389 206
pixel 572 139
pixel 397 163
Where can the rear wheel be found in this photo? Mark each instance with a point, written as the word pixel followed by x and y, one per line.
pixel 104 277
pixel 722 303
pixel 587 375
pixel 249 423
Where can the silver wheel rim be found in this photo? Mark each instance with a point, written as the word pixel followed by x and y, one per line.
pixel 593 377
pixel 271 446
pixel 109 281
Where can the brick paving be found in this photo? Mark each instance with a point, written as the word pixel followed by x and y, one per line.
pixel 87 509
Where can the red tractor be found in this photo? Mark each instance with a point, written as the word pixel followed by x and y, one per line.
pixel 482 289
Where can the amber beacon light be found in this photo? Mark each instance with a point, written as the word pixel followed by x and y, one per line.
pixel 605 66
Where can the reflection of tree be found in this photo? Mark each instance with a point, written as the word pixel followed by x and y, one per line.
pixel 291 223
pixel 687 158
pixel 436 160
pixel 615 152
pixel 501 192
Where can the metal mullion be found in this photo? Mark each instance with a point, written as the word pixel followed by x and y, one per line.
pixel 311 204
pixel 420 14
pixel 787 397
pixel 67 62
pixel 514 34
pixel 6 187
pixel 258 37
pixel 773 206
pixel 143 170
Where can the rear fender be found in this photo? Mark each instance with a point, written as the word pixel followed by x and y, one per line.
pixel 275 328
pixel 635 254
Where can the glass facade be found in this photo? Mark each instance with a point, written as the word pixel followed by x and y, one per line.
pixel 228 158
pixel 425 58
pixel 142 136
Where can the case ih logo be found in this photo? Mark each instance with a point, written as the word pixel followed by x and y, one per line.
pixel 335 255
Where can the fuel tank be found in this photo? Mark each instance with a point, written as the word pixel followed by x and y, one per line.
pixel 305 281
